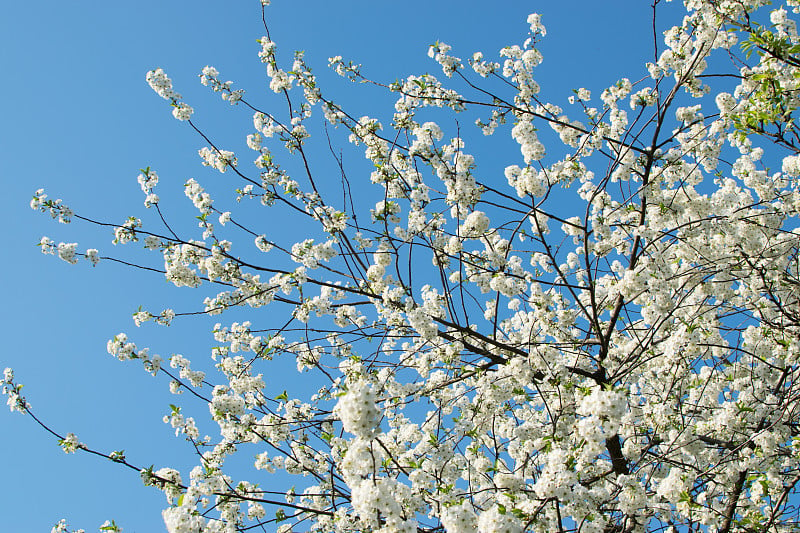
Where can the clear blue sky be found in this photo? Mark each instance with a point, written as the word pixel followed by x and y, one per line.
pixel 79 120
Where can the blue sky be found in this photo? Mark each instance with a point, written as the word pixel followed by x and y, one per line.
pixel 79 120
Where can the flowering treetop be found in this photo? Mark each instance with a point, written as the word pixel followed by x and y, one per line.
pixel 603 339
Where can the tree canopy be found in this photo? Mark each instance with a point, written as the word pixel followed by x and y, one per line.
pixel 602 339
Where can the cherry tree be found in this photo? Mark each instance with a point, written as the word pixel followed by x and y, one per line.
pixel 604 339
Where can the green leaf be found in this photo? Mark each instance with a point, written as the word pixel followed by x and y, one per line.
pixel 111 527
pixel 118 456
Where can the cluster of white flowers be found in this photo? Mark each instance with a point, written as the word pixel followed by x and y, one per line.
pixel 279 80
pixel 209 77
pixel 15 401
pixel 310 254
pixel 417 92
pixel 182 424
pixel 535 21
pixel 644 98
pixel 70 443
pixel 171 479
pixel 127 231
pixel 475 225
pixel 527 181
pixel 525 134
pixel 177 261
pixel 459 518
pixel 120 348
pixel 786 27
pixel 481 67
pixel 358 411
pixel 689 114
pixel 225 403
pixel 162 85
pixel 495 521
pixel 62 527
pixel 55 208
pixel 581 95
pixel 201 199
pixel 195 377
pixel 183 520
pixel 218 159
pixel 440 53
pixel 148 180
pixel 791 165
pixel 66 251
pixel 519 69
pixel 373 499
